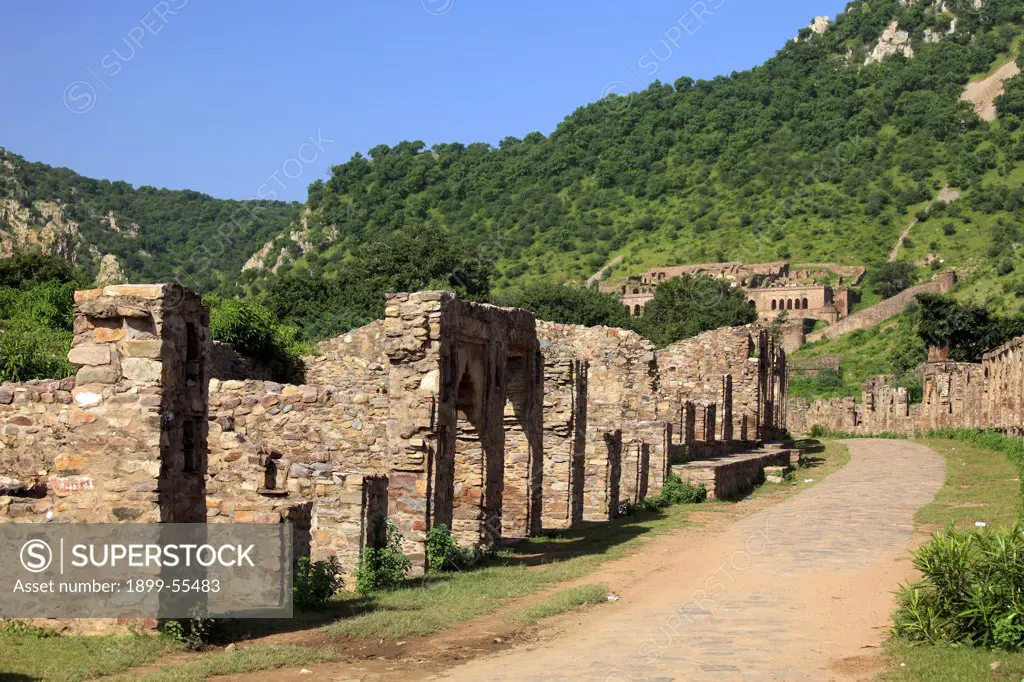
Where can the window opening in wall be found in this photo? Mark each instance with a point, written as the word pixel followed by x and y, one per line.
pixel 192 352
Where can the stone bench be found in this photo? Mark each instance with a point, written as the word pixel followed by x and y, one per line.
pixel 733 475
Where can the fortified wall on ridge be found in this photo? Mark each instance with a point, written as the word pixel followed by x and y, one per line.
pixel 480 418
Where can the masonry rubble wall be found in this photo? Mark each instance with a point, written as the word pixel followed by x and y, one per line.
pixel 985 395
pixel 741 370
pixel 942 283
pixel 1003 374
pixel 607 445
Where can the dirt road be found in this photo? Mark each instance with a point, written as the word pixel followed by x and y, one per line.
pixel 801 590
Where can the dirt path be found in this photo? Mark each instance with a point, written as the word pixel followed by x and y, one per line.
pixel 801 590
pixel 946 194
pixel 983 93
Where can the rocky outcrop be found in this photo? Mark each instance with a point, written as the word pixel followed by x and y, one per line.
pixel 110 271
pixel 893 41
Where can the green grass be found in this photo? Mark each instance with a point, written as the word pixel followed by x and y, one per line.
pixel 865 352
pixel 241 661
pixel 951 664
pixel 67 659
pixel 981 485
pixel 560 602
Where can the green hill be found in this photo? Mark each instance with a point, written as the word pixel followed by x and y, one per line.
pixel 812 156
pixel 156 234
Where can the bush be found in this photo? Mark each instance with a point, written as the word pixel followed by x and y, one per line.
pixel 889 279
pixel 36 331
pixel 253 330
pixel 686 306
pixel 192 632
pixel 316 582
pixel 674 492
pixel 383 568
pixel 444 554
pixel 972 590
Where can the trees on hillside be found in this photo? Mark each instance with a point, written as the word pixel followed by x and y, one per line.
pixel 968 330
pixel 686 306
pixel 890 278
pixel 352 293
pixel 567 304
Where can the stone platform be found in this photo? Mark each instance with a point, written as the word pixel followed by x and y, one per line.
pixel 731 475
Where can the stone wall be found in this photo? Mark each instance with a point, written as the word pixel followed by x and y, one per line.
pixel 986 395
pixel 953 395
pixel 883 409
pixel 1003 372
pixel 445 412
pixel 601 418
pixel 942 283
pixel 738 369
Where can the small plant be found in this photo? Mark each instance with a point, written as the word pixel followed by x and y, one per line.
pixel 674 492
pixel 316 582
pixel 971 593
pixel 384 567
pixel 19 628
pixel 193 632
pixel 444 554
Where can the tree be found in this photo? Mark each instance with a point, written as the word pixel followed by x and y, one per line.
pixel 686 306
pixel 570 305
pixel 967 330
pixel 889 279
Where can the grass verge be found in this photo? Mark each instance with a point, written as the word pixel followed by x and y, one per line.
pixel 981 485
pixel 565 600
pixel 248 660
pixel 32 656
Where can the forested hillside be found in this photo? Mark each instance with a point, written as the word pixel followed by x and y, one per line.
pixel 156 234
pixel 815 155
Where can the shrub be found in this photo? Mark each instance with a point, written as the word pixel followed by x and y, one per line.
pixel 890 278
pixel 193 632
pixel 253 330
pixel 674 492
pixel 972 590
pixel 316 582
pixel 444 554
pixel 384 567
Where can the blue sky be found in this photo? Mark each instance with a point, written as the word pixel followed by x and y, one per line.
pixel 224 97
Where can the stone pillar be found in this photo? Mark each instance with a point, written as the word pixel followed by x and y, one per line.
pixel 141 386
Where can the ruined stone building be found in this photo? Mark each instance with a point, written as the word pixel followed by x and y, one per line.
pixel 480 418
pixel 985 395
pixel 805 292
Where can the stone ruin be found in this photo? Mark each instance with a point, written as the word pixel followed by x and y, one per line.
pixel 480 418
pixel 985 395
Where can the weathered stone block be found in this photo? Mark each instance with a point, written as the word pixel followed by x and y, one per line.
pixel 97 375
pixel 150 349
pixel 90 354
pixel 141 369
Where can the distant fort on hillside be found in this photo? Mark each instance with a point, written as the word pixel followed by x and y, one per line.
pixel 819 291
